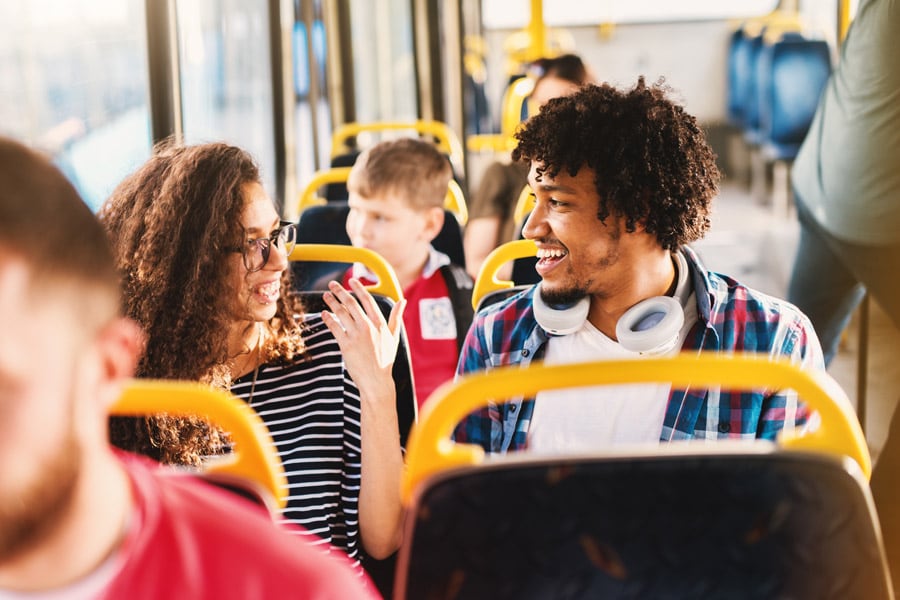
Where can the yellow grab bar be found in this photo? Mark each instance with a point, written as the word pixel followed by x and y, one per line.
pixel 388 285
pixel 309 196
pixel 510 118
pixel 448 142
pixel 254 456
pixel 456 202
pixel 487 280
pixel 430 449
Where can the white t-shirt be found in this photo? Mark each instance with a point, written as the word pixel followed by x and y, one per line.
pixel 585 419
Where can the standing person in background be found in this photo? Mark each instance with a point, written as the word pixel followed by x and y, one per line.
pixel 494 201
pixel 397 191
pixel 77 518
pixel 847 182
pixel 204 257
pixel 847 188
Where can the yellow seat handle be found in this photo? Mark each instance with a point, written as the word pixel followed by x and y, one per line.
pixel 431 450
pixel 254 456
pixel 487 280
pixel 388 285
pixel 309 195
pixel 447 140
pixel 456 203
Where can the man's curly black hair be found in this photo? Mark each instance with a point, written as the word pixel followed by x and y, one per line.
pixel 651 159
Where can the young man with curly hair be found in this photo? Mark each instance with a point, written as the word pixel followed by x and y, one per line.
pixel 623 181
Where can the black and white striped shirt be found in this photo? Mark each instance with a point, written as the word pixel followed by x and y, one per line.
pixel 312 410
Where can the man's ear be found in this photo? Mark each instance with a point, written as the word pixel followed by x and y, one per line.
pixel 119 344
pixel 434 222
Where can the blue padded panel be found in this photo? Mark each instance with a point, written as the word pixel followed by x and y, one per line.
pixel 739 75
pixel 751 95
pixel 797 71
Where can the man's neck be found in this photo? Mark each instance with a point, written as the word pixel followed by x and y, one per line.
pixel 88 533
pixel 645 280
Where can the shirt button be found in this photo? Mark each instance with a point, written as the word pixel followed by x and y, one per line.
pixel 724 427
pixel 512 408
pixel 525 352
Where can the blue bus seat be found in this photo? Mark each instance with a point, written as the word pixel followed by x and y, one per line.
pixel 739 74
pixel 796 71
pixel 750 104
pixel 740 519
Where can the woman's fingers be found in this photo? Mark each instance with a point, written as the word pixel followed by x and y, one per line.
pixel 367 301
pixel 396 317
pixel 344 305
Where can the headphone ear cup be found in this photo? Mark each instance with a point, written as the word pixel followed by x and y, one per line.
pixel 561 320
pixel 652 326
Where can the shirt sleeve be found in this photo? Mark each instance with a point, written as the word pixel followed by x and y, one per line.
pixel 477 427
pixel 783 409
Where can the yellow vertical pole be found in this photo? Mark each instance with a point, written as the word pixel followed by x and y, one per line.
pixel 843 19
pixel 537 34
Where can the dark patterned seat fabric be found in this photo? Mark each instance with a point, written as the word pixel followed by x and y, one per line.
pixel 767 525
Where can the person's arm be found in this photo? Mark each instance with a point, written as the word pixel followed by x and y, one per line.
pixel 369 344
pixel 481 236
pixel 482 425
pixel 783 408
pixel 494 199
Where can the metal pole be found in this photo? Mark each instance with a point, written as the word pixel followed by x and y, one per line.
pixel 163 71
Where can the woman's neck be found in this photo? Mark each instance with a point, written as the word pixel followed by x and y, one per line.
pixel 244 344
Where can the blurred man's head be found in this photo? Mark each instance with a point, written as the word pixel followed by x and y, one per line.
pixel 64 350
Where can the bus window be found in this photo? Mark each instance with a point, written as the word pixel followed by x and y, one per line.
pixel 74 85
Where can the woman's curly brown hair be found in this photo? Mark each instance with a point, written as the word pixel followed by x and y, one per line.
pixel 651 159
pixel 171 225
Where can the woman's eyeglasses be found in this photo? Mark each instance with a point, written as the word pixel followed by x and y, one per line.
pixel 256 252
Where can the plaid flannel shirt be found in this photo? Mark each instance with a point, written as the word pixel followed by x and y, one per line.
pixel 732 318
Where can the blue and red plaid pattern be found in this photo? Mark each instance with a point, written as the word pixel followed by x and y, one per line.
pixel 732 318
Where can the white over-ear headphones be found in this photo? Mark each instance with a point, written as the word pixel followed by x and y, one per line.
pixel 560 320
pixel 652 326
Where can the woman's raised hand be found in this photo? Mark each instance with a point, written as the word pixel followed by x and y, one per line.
pixel 367 341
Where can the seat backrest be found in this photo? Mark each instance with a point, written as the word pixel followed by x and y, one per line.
pixel 327 224
pixel 253 469
pixel 334 181
pixel 717 526
pixel 739 519
pixel 750 121
pixel 739 75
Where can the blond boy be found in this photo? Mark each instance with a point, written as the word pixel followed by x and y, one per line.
pixel 397 190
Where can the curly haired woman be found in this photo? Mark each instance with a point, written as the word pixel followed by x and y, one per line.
pixel 204 262
pixel 623 180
